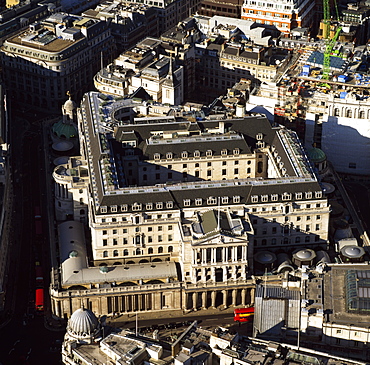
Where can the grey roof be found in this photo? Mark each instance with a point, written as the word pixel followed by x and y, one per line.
pixel 121 274
pixel 275 308
pixel 318 59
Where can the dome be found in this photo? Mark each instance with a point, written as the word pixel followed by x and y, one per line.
pixel 62 146
pixel 69 105
pixel 64 130
pixel 316 155
pixel 328 188
pixel 352 251
pixel 83 323
pixel 304 255
pixel 265 257
pixel 61 160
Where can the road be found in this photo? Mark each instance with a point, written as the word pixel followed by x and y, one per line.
pixel 24 339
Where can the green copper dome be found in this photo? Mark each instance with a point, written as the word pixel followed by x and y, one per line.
pixel 316 155
pixel 64 130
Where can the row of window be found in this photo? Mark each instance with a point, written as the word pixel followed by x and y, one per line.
pixel 212 200
pixel 287 229
pixel 286 240
pixel 137 229
pixel 286 218
pixel 138 251
pixel 138 240
pixel 285 196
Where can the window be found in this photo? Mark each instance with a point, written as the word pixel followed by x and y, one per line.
pixel 209 153
pixel 209 172
pixel 273 230
pixel 198 201
pixel 318 217
pixel 184 154
pixel 170 248
pixel 159 205
pixel 308 218
pixel 212 200
pixel 236 199
pixel 115 253
pixel 125 252
pixel 264 198
pixel 209 164
pixel 223 152
pixel 254 199
pixel 103 209
pixel 236 151
pixel 170 238
pixel 298 196
pixel 160 249
pixel 297 239
pixel 184 165
pixel 318 194
pixel 169 155
pixel 224 163
pixel 307 239
pixel 274 197
pixel 286 196
pixel 113 208
pixel 223 171
pixel 317 227
pixel 115 242
pixel 114 231
pixel 187 202
pixel 105 232
pixel 149 206
pixel 157 176
pixel 124 208
pixel 236 171
pixel 225 200
pixel 125 241
pixel 150 239
pixel 105 242
pixel 105 253
pixel 307 227
pixel 157 156
pixel 136 206
pixel 196 154
pixel 308 195
pixel 169 205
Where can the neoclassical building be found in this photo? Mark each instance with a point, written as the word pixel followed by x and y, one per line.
pixel 177 207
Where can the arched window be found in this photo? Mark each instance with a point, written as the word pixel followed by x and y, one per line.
pixel 286 241
pixel 125 252
pixel 336 112
pixel 349 113
pixel 150 250
pixel 361 114
pixel 105 253
pixel 297 239
pixel 264 242
pixel 307 239
pixel 138 251
pixel 170 248
pixel 273 241
pixel 260 167
pixel 160 249
pixel 115 253
pixel 248 170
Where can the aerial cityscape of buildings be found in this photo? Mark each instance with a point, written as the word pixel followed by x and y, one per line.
pixel 185 161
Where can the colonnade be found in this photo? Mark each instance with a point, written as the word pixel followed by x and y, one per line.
pixel 104 303
pixel 213 255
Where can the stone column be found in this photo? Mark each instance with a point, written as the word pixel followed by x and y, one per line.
pixel 224 297
pixel 234 297
pixel 204 300
pixel 195 294
pixel 213 299
pixel 213 274
pixel 243 296
pixel 213 256
pixel 252 295
pixel 224 273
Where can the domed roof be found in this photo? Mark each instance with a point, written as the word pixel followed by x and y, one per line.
pixel 316 155
pixel 64 130
pixel 83 323
pixel 352 251
pixel 69 105
pixel 62 146
pixel 305 254
pixel 265 257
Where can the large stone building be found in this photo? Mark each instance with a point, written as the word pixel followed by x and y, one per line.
pixel 59 54
pixel 177 206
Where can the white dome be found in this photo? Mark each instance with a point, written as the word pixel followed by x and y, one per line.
pixel 83 323
pixel 353 251
pixel 265 257
pixel 306 254
pixel 69 105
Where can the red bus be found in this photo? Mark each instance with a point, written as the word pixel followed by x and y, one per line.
pixel 243 314
pixel 39 300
